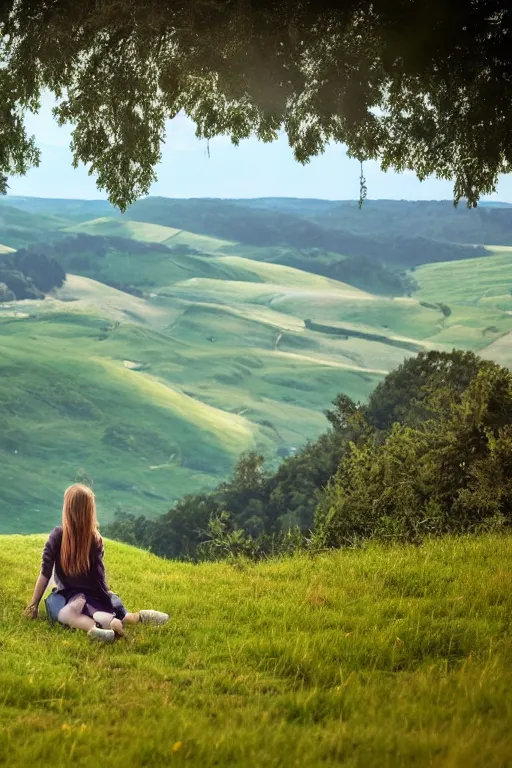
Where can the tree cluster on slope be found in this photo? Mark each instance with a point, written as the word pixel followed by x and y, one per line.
pixel 430 453
pixel 28 274
pixel 449 473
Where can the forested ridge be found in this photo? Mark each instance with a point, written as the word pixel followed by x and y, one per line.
pixel 245 222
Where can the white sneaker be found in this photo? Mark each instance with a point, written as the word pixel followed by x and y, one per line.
pixel 102 635
pixel 153 617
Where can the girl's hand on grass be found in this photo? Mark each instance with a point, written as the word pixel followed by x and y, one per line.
pixel 31 611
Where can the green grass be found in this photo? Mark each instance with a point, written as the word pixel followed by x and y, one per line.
pixel 370 659
pixel 500 350
pixel 290 277
pixel 153 270
pixel 468 281
pixel 400 316
pixel 199 242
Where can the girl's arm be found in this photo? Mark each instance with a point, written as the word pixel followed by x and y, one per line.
pixel 32 608
pixel 100 571
pixel 48 561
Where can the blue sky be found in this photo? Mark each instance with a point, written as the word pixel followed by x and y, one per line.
pixel 251 170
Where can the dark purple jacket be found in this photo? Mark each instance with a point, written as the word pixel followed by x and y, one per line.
pixel 92 584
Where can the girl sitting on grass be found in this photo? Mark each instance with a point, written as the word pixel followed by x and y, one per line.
pixel 75 551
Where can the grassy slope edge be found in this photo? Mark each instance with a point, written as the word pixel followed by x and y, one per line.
pixel 385 657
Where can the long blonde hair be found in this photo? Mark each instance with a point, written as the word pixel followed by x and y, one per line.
pixel 79 529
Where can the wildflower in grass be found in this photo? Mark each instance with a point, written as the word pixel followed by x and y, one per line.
pixel 177 746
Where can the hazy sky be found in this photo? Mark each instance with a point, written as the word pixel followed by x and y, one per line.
pixel 251 170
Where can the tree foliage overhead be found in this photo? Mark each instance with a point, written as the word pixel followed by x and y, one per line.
pixel 414 85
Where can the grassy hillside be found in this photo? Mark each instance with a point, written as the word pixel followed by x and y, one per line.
pixel 154 398
pixel 368 659
pixel 76 403
pixel 149 232
pixel 148 265
pixel 499 350
pixel 20 228
pixel 477 293
pixel 486 280
pixel 108 226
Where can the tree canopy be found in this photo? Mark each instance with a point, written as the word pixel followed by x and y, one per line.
pixel 419 86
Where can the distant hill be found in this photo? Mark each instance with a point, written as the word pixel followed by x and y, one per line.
pixel 263 227
pixel 436 220
pixel 490 223
pixel 149 232
pixel 69 210
pixel 20 228
pixel 259 221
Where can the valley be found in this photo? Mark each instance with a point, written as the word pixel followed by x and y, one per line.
pixel 167 353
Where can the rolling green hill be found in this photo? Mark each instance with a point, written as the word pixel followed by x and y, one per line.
pixel 76 404
pixel 21 228
pixel 140 264
pixel 371 248
pixel 396 656
pixel 167 353
pixel 148 232
pixel 477 281
pixel 476 294
pixel 107 226
pixel 155 397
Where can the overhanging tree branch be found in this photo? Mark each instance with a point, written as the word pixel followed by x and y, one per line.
pixel 423 87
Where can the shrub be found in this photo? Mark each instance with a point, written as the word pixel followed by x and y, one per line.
pixel 449 474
